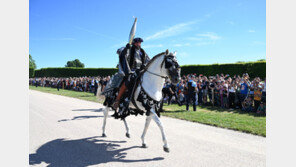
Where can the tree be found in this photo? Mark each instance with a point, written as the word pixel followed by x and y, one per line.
pixel 74 63
pixel 261 60
pixel 32 63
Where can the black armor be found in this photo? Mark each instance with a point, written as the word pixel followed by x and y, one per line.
pixel 132 60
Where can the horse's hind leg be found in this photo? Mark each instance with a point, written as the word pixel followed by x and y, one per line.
pixel 159 124
pixel 148 120
pixel 127 129
pixel 105 120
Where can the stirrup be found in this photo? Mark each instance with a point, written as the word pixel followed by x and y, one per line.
pixel 115 105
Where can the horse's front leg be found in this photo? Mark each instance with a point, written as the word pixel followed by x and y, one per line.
pixel 159 124
pixel 105 120
pixel 127 129
pixel 148 120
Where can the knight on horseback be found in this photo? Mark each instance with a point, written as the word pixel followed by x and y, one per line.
pixel 132 60
pixel 137 86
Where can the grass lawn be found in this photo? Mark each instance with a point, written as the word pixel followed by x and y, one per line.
pixel 69 93
pixel 235 119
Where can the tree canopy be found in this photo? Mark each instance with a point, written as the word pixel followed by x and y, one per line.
pixel 261 60
pixel 74 63
pixel 32 63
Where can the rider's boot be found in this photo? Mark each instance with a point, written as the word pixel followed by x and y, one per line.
pixel 117 100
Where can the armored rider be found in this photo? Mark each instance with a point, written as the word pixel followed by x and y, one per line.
pixel 132 60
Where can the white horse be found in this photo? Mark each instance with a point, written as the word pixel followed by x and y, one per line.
pixel 161 66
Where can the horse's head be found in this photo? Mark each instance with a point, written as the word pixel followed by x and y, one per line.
pixel 172 67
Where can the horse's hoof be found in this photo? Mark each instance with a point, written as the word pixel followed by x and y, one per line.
pixel 144 146
pixel 127 135
pixel 104 135
pixel 166 149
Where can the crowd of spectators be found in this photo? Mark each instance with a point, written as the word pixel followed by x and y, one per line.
pixel 237 92
pixel 83 84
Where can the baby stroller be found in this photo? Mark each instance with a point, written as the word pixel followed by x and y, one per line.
pixel 247 104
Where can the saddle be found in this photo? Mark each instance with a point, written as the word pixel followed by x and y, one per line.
pixel 126 98
pixel 130 92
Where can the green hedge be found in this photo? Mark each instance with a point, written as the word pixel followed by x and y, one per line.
pixel 254 69
pixel 74 72
pixel 31 72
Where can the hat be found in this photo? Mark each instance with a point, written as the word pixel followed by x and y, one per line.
pixel 138 40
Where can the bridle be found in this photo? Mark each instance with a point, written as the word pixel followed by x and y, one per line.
pixel 165 77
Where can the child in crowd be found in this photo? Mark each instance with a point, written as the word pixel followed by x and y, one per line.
pixel 261 109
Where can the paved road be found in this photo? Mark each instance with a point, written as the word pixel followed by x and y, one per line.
pixel 67 132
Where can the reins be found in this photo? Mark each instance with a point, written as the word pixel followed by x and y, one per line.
pixel 146 68
pixel 157 74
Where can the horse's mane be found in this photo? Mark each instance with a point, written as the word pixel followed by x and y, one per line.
pixel 152 60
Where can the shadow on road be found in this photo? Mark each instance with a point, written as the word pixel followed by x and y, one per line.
pixel 92 110
pixel 79 118
pixel 82 152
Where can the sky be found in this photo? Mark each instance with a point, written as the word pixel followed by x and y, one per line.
pixel 200 31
